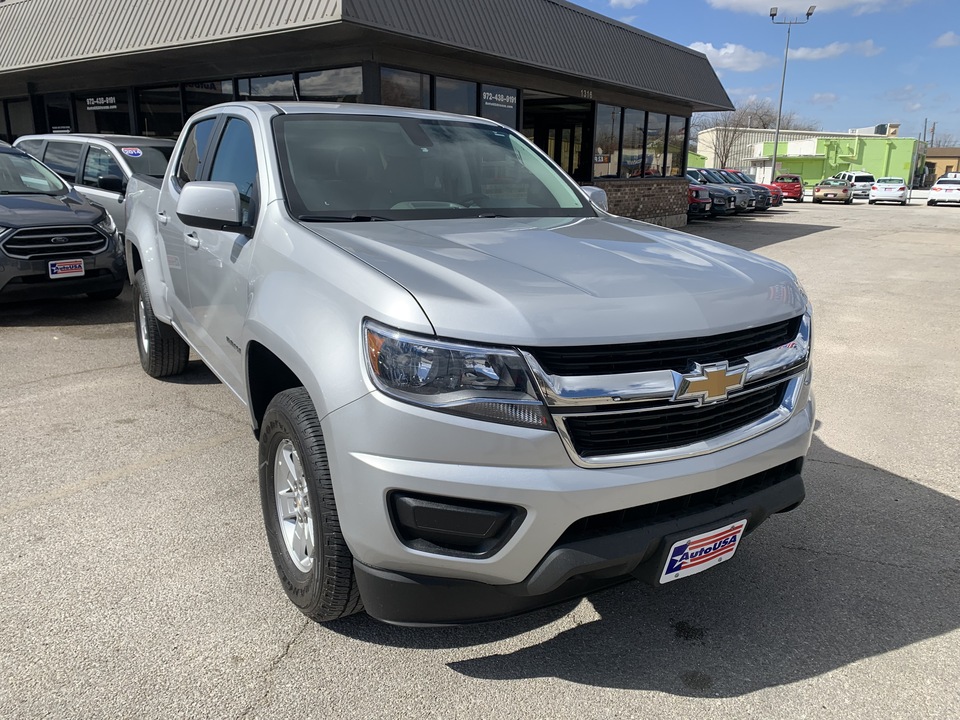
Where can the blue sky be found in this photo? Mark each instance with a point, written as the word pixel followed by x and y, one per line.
pixel 856 63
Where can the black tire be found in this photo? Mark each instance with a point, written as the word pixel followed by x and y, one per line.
pixel 817 201
pixel 871 202
pixel 848 201
pixel 800 199
pixel 931 202
pixel 327 590
pixel 903 202
pixel 162 352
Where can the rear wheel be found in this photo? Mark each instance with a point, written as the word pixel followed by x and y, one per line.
pixel 313 562
pixel 817 200
pixel 162 351
pixel 800 199
pixel 848 201
pixel 931 202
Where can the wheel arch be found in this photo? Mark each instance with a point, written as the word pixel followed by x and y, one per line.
pixel 267 376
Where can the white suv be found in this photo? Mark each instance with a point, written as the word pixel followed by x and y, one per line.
pixel 861 182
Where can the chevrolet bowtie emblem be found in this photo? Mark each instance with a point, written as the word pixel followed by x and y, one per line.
pixel 709 383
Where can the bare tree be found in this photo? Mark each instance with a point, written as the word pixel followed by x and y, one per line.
pixel 730 125
pixel 944 140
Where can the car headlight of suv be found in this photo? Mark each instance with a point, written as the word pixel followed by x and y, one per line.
pixel 107 224
pixel 484 383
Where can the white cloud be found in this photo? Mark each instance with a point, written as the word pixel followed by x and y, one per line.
pixel 867 48
pixel 948 39
pixel 737 58
pixel 626 3
pixel 797 8
pixel 824 98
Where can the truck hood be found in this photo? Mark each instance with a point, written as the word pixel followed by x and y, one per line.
pixel 571 281
pixel 31 210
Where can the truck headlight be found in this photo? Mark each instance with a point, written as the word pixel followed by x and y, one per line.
pixel 485 383
pixel 106 224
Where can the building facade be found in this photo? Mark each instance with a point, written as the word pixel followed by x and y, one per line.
pixel 609 103
pixel 813 155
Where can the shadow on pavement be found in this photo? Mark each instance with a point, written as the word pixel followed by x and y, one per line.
pixel 66 311
pixel 749 232
pixel 866 565
pixel 196 373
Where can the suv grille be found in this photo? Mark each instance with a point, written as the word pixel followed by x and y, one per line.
pixel 665 354
pixel 54 242
pixel 598 435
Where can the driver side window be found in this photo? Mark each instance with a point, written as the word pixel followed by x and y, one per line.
pixel 194 148
pixel 236 162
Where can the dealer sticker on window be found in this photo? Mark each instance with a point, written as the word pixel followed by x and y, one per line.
pixel 700 552
pixel 65 268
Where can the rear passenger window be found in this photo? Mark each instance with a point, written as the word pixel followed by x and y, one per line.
pixel 31 147
pixel 194 148
pixel 99 163
pixel 62 158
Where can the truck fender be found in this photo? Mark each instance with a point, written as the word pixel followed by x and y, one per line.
pixel 143 247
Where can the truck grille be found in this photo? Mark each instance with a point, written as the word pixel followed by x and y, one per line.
pixel 54 242
pixel 665 354
pixel 602 434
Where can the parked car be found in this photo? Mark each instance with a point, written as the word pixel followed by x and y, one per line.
pixel 746 200
pixel 860 182
pixel 100 166
pixel 53 241
pixel 761 195
pixel 791 186
pixel 945 190
pixel 776 194
pixel 724 200
pixel 833 190
pixel 699 201
pixel 472 398
pixel 889 189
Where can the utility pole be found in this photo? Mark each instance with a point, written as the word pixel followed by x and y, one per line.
pixel 933 132
pixel 783 77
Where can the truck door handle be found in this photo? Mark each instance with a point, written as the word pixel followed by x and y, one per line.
pixel 192 240
pixel 162 217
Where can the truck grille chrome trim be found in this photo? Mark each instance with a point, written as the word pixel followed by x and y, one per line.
pixel 655 422
pixel 54 242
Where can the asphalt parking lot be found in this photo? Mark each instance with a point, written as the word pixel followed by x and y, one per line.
pixel 135 580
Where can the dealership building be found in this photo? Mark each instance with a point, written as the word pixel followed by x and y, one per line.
pixel 609 103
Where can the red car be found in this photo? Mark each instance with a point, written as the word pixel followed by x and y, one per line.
pixel 791 185
pixel 776 194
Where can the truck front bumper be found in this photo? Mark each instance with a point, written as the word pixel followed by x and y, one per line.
pixel 551 547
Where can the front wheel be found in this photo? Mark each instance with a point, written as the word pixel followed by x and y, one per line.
pixel 800 199
pixel 313 562
pixel 931 202
pixel 162 351
pixel 848 201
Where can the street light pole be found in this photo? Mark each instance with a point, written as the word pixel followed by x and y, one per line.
pixel 783 77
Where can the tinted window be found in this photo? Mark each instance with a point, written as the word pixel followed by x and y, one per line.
pixel 236 162
pixel 98 164
pixel 32 147
pixel 863 178
pixel 337 85
pixel 147 159
pixel 456 96
pixel 194 149
pixel 62 158
pixel 403 88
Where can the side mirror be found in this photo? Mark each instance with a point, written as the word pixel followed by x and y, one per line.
pixel 111 183
pixel 211 205
pixel 598 196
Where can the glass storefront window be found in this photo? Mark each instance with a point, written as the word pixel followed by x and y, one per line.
pixel 676 146
pixel 4 130
pixel 21 118
pixel 656 137
pixel 103 112
pixel 59 116
pixel 606 159
pixel 336 85
pixel 274 87
pixel 500 104
pixel 634 135
pixel 159 111
pixel 456 96
pixel 404 89
pixel 201 95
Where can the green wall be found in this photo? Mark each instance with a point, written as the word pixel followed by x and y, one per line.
pixel 879 156
pixel 696 160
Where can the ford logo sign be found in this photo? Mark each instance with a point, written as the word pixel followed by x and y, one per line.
pixel 59 239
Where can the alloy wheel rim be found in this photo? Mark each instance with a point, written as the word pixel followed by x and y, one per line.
pixel 293 506
pixel 142 317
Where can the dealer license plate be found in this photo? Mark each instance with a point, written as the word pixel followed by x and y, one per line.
pixel 695 554
pixel 65 268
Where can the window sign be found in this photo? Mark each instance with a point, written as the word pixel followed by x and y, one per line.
pixel 500 104
pixel 101 102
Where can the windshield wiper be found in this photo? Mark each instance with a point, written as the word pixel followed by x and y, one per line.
pixel 356 217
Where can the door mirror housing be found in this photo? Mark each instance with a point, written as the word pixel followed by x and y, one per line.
pixel 213 206
pixel 598 196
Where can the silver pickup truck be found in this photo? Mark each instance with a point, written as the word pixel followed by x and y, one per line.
pixel 475 392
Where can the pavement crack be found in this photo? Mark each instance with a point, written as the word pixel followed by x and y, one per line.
pixel 271 669
pixel 859 558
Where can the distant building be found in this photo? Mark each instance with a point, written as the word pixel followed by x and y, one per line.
pixel 941 161
pixel 814 155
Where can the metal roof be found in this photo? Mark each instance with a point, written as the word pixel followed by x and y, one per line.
pixel 552 35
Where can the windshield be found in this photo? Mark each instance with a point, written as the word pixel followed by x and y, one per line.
pixel 833 182
pixel 947 182
pixel 890 181
pixel 787 179
pixel 714 177
pixel 337 167
pixel 147 159
pixel 22 175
